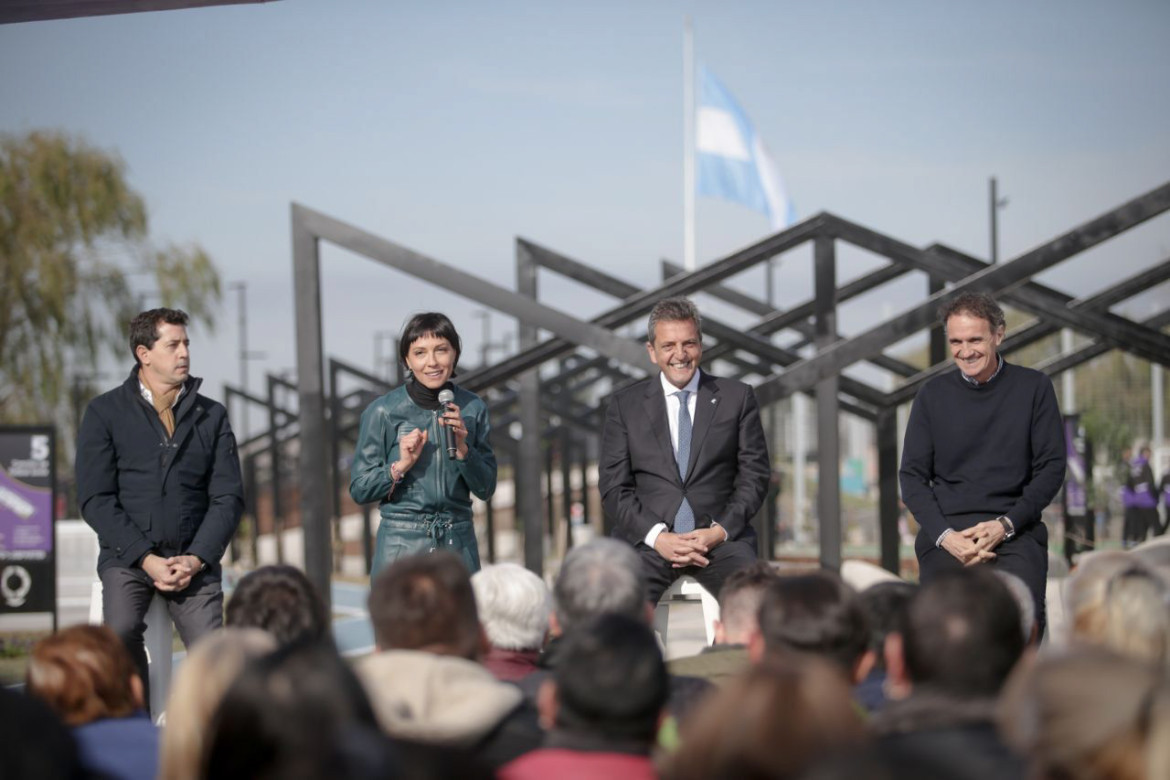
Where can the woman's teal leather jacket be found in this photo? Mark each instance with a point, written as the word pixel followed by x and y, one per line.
pixel 435 487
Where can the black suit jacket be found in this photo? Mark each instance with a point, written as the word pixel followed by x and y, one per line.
pixel 142 490
pixel 728 472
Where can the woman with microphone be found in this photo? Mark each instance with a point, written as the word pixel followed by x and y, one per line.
pixel 423 450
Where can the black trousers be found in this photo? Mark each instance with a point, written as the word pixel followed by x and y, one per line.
pixel 1024 556
pixel 126 596
pixel 723 560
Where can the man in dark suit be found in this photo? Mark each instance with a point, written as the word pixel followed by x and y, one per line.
pixel 684 466
pixel 158 479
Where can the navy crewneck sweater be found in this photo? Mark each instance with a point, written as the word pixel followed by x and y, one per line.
pixel 974 452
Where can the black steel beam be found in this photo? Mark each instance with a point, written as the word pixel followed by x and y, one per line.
pixel 1053 305
pixel 311 406
pixel 732 336
pixel 828 416
pixel 992 279
pixel 1061 363
pixel 1029 334
pixel 1014 286
pixel 801 326
pixel 470 286
pixel 641 303
pixel 889 540
pixel 529 507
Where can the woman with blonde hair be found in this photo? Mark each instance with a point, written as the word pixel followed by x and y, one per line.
pixel 1084 592
pixel 212 666
pixel 1137 616
pixel 1089 714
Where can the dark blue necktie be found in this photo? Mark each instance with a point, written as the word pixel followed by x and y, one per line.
pixel 684 519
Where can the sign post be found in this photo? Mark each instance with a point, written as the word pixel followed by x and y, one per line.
pixel 28 554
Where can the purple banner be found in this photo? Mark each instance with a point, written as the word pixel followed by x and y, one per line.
pixel 26 519
pixel 28 562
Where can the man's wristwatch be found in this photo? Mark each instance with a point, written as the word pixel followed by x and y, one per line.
pixel 1009 530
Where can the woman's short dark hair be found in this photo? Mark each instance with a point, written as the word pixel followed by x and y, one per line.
pixel 430 323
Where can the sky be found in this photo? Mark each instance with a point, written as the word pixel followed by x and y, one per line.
pixel 454 127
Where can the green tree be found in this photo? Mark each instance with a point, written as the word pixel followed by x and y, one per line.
pixel 72 234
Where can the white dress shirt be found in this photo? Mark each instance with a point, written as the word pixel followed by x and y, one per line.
pixel 672 403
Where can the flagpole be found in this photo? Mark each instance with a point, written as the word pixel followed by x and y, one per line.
pixel 688 146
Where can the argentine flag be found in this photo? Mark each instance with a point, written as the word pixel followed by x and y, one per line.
pixel 731 159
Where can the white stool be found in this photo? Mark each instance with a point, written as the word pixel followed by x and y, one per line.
pixel 687 588
pixel 158 640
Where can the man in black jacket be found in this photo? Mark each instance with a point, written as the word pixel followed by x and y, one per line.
pixel 957 641
pixel 158 479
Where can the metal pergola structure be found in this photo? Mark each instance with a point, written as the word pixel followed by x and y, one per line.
pixel 541 386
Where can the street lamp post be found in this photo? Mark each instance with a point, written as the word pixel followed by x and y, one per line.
pixel 244 354
pixel 996 204
pixel 380 362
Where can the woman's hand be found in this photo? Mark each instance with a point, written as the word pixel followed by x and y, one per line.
pixel 452 420
pixel 410 447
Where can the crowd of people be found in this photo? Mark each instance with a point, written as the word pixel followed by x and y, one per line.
pixel 487 672
pixel 497 675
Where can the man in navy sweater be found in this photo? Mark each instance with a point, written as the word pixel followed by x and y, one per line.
pixel 984 454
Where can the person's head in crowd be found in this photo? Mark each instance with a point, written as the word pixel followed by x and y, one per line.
pixel 1154 555
pixel 1024 602
pixel 1086 713
pixel 1084 592
pixel 36 743
pixel 297 713
pixel 818 614
pixel 1137 616
pixel 425 602
pixel 212 665
pixel 513 605
pixel 280 600
pixel 610 682
pixel 884 604
pixel 772 721
pixel 84 674
pixel 600 577
pixel 739 603
pixel 960 636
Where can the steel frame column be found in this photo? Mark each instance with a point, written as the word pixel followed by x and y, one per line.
pixel 938 334
pixel 566 448
pixel 887 453
pixel 527 471
pixel 276 482
pixel 828 411
pixel 310 392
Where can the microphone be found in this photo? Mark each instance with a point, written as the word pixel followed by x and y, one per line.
pixel 446 398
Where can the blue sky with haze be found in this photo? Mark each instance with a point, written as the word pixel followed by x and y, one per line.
pixel 453 127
